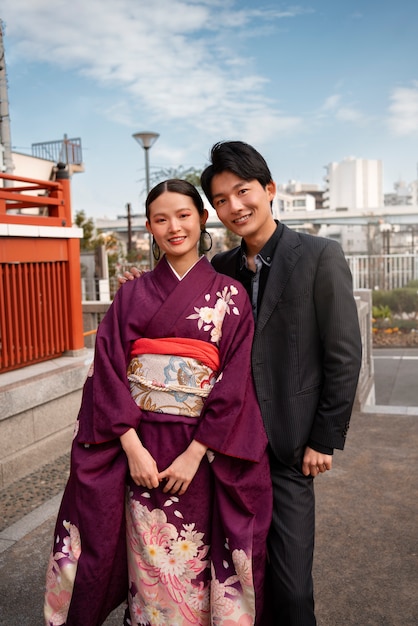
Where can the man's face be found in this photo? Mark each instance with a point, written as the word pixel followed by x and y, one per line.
pixel 243 206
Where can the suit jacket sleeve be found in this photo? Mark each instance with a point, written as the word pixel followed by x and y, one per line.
pixel 337 321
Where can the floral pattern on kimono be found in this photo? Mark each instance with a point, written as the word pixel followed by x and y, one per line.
pixel 202 306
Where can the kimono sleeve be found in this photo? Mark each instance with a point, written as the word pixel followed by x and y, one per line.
pixel 231 422
pixel 107 408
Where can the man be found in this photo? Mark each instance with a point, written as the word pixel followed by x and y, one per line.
pixel 306 358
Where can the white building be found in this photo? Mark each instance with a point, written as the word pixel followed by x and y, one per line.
pixel 403 194
pixel 354 184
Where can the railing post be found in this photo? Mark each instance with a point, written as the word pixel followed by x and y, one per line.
pixel 74 273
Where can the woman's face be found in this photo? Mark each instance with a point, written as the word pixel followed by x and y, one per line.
pixel 175 223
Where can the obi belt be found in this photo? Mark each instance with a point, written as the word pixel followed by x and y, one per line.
pixel 172 375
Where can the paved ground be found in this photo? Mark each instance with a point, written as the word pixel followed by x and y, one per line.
pixel 396 376
pixel 366 558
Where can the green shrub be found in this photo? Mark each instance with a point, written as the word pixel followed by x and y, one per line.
pixel 398 301
pixel 381 312
pixel 413 284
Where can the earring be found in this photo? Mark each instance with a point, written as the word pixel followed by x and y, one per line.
pixel 205 237
pixel 156 252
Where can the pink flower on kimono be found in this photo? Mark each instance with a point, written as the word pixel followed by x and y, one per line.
pixel 199 598
pixel 221 308
pixel 138 611
pixel 221 605
pixel 57 607
pixel 243 567
pixel 52 573
pixel 243 620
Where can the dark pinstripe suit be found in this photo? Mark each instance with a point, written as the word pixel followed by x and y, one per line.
pixel 306 359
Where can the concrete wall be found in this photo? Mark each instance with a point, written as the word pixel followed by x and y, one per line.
pixel 38 408
pixel 365 390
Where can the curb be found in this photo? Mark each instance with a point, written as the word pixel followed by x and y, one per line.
pixel 9 536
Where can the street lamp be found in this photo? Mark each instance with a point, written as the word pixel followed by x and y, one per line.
pixel 146 141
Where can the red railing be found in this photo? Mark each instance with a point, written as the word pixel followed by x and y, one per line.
pixel 40 285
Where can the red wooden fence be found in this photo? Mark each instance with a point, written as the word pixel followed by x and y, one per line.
pixel 40 284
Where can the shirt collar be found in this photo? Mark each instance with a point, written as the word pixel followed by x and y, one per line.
pixel 267 251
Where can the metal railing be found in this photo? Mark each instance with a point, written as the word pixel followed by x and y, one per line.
pixel 66 151
pixel 387 271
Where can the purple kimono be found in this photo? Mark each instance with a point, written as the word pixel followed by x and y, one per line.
pixel 197 558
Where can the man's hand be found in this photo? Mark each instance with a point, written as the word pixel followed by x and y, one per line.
pixel 315 463
pixel 129 275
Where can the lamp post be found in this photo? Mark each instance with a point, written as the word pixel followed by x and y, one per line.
pixel 146 141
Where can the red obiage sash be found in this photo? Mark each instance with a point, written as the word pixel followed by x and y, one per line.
pixel 202 351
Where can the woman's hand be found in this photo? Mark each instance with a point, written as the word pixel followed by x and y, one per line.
pixel 142 466
pixel 182 470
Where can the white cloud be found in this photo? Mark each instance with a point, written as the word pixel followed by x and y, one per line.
pixel 168 57
pixel 331 102
pixel 334 106
pixel 349 114
pixel 403 110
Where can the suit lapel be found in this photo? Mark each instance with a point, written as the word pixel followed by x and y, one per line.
pixel 286 256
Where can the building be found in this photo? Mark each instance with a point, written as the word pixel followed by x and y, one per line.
pixel 403 194
pixel 354 184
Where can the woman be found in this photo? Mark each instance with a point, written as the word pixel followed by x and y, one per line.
pixel 171 398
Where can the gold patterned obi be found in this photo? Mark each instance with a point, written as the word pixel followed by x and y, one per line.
pixel 172 375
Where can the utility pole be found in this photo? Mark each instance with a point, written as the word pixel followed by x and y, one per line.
pixel 128 209
pixel 5 135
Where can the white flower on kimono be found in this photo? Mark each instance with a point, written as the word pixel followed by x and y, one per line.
pixel 208 316
pixel 72 544
pixel 171 565
pixel 156 617
pixel 184 549
pixel 227 295
pixel 216 334
pixel 153 554
pixel 190 534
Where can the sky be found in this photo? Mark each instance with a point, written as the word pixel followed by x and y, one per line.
pixel 306 83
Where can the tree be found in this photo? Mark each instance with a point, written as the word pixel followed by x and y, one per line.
pixel 88 241
pixel 191 174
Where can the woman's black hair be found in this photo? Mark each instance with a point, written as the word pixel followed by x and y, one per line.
pixel 175 185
